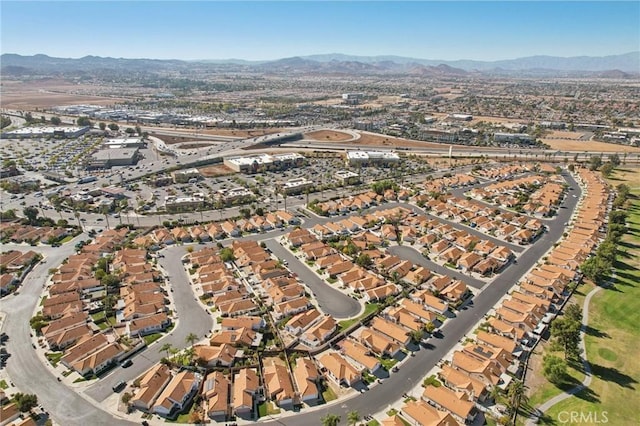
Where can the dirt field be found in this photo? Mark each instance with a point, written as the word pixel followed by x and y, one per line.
pixel 592 146
pixel 328 136
pixel 49 93
pixel 217 170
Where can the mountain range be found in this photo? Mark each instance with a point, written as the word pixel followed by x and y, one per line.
pixel 613 66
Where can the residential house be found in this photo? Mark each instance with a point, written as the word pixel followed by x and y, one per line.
pixel 177 394
pixel 338 369
pixel 277 382
pixel 246 388
pixel 215 393
pixel 151 384
pixel 307 377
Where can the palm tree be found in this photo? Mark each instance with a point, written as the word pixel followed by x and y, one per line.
pixel 516 395
pixel 353 417
pixel 167 347
pixel 330 420
pixel 191 338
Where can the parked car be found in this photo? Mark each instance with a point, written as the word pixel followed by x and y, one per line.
pixel 127 363
pixel 119 386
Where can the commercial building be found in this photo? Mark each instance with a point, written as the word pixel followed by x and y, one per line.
pixel 296 186
pixel 347 177
pixel 109 157
pixel 365 158
pixel 124 143
pixel 260 162
pixel 46 131
pixel 184 176
pixel 174 204
pixel 513 137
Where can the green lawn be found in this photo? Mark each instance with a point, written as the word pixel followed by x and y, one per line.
pixel 54 357
pixel 373 422
pixel 150 338
pixel 613 342
pixel 3 384
pixel 98 316
pixel 329 395
pixel 44 298
pixel 267 408
pixel 548 390
pixel 388 363
pixel 66 239
pixel 368 309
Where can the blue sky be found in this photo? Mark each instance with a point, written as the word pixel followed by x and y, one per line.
pixel 271 30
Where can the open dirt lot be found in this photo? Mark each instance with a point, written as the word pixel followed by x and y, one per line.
pixel 49 93
pixel 328 135
pixel 591 146
pixel 217 170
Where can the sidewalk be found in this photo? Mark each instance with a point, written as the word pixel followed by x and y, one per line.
pixel 587 367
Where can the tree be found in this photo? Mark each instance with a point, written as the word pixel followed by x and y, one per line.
pixel 31 213
pixel 55 120
pixel 595 161
pixel 596 269
pixel 566 331
pixel 130 131
pixel 607 169
pixel 102 126
pixel 364 260
pixel 126 397
pixel 110 281
pixel 25 401
pixel 191 338
pixel 554 369
pixel 573 312
pixel 37 322
pixel 28 118
pixel 330 420
pixel 166 348
pixel 84 121
pixel 113 127
pixel 515 395
pixel 353 417
pixel 227 255
pixel 614 159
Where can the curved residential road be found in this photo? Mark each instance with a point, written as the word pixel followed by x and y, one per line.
pixel 26 369
pixel 330 300
pixel 585 363
pixel 192 318
pixel 411 373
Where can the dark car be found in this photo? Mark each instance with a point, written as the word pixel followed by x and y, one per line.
pixel 119 386
pixel 127 363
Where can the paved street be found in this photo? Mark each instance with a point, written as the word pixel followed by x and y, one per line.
pixel 412 255
pixel 70 408
pixel 26 369
pixel 413 370
pixel 330 300
pixel 192 318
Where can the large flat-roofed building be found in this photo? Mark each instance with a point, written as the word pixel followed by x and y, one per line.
pixel 296 186
pixel 259 162
pixel 347 177
pixel 46 131
pixel 124 143
pixel 513 137
pixel 183 203
pixel 109 157
pixel 235 194
pixel 183 176
pixel 365 158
